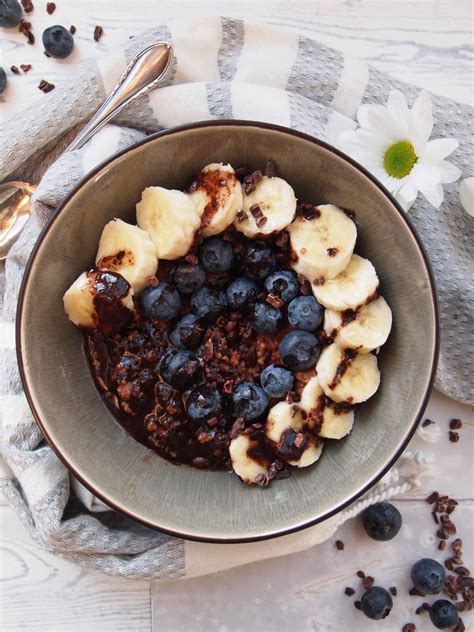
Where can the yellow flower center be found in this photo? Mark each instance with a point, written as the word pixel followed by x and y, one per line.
pixel 399 159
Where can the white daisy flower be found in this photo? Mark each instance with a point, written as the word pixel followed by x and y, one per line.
pixel 393 143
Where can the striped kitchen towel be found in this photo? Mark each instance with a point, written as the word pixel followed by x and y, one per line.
pixel 223 68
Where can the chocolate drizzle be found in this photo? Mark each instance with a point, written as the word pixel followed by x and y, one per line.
pixel 348 356
pixel 109 288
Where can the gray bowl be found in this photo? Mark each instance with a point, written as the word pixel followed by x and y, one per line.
pixel 203 505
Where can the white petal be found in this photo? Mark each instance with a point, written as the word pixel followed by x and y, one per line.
pixel 422 116
pixel 405 202
pixel 398 108
pixel 359 141
pixel 466 193
pixel 449 172
pixel 382 122
pixel 440 148
pixel 409 191
pixel 426 176
pixel 435 196
pixel 362 115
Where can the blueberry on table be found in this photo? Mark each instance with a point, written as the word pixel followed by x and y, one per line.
pixel 203 402
pixel 265 318
pixel 443 614
pixel 276 380
pixel 299 350
pixel 161 302
pixel 58 41
pixel 376 603
pixel 428 575
pixel 209 302
pixel 3 80
pixel 10 13
pixel 258 260
pixel 241 292
pixel 188 332
pixel 283 284
pixel 304 312
pixel 382 521
pixel 188 277
pixel 249 401
pixel 179 368
pixel 216 255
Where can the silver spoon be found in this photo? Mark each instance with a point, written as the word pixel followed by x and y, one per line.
pixel 143 73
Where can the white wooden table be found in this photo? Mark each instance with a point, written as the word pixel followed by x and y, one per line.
pixel 426 42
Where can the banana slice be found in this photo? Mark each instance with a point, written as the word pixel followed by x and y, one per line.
pixel 244 463
pixel 334 420
pixel 363 330
pixel 83 308
pixel 217 197
pixel 270 208
pixel 127 249
pixel 353 287
pixel 322 240
pixel 284 430
pixel 347 376
pixel 171 220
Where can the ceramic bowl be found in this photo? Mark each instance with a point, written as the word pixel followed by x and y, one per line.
pixel 180 500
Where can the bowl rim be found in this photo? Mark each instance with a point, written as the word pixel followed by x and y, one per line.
pixel 203 125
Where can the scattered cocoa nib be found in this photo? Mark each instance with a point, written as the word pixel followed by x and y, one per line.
pixel 262 480
pixel 275 301
pixel 358 605
pixel 456 545
pixel 414 592
pixel 460 606
pixel 50 8
pixel 237 428
pixel 72 29
pixel 307 211
pixel 250 181
pixel 228 387
pixel 291 397
pixel 455 424
pixel 45 86
pixel 393 590
pixel 30 37
pixel 453 436
pixel 332 252
pixel 98 32
pixel 450 586
pixel 27 6
pixel 349 591
pixel 459 627
pixel 463 571
pixel 360 574
pixel 449 564
pixel 427 423
pixel 442 545
pixel 15 70
pixel 432 498
pixel 256 211
pixel 192 259
pixel 409 627
pixel 270 169
pixel 241 216
pixel 208 349
pixel 435 517
pixel 26 67
pixel 426 606
pixel 261 221
pixel 200 461
pixel 442 535
pixel 24 26
pixel 340 546
pixel 368 581
pixel 240 173
pixel 319 281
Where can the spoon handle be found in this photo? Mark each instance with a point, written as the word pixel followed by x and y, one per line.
pixel 143 73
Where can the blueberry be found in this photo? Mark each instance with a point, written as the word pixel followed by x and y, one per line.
pixel 241 292
pixel 216 255
pixel 376 603
pixel 249 401
pixel 428 576
pixel 443 614
pixel 187 333
pixel 10 13
pixel 179 368
pixel 203 402
pixel 188 278
pixel 258 260
pixel 209 302
pixel 299 350
pixel 162 302
pixel 283 284
pixel 304 312
pixel 276 380
pixel 3 80
pixel 382 521
pixel 265 318
pixel 58 41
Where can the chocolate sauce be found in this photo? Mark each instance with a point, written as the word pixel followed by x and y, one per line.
pixel 215 183
pixel 348 356
pixel 108 290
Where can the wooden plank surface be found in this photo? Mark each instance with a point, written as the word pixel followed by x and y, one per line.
pixel 427 42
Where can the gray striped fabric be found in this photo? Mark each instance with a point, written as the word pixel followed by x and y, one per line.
pixel 224 68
